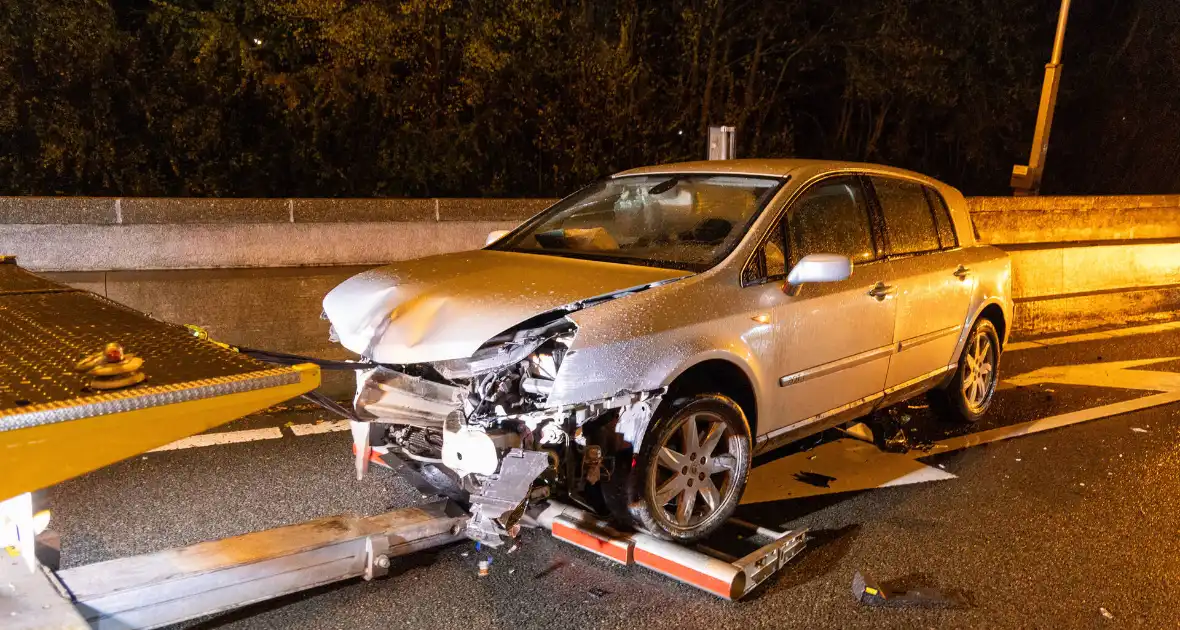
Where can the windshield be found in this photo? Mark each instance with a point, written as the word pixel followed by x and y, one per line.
pixel 688 221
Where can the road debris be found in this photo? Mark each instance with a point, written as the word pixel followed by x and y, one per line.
pixel 899 442
pixel 870 593
pixel 550 569
pixel 1138 430
pixel 599 592
pixel 818 480
pixel 485 567
pixel 1106 613
pixel 859 431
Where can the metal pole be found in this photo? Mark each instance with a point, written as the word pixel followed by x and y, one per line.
pixel 1059 39
pixel 722 143
pixel 1026 180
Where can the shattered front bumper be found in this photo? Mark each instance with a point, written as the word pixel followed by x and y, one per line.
pixel 394 397
pixel 493 453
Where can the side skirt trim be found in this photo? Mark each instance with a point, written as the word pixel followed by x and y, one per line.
pixel 836 366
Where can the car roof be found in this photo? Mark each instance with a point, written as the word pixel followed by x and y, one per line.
pixel 766 167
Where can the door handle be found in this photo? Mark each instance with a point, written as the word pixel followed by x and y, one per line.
pixel 962 272
pixel 882 291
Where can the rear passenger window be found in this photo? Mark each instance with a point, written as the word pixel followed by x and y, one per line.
pixel 908 220
pixel 942 216
pixel 831 218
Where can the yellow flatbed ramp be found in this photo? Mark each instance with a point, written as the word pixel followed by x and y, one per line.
pixel 57 421
pixel 54 425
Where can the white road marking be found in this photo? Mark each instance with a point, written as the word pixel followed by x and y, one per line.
pixel 316 428
pixel 1052 422
pixel 856 465
pixel 1114 374
pixel 1094 336
pixel 1118 374
pixel 850 463
pixel 250 435
pixel 224 437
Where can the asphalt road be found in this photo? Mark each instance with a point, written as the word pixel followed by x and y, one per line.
pixel 1046 530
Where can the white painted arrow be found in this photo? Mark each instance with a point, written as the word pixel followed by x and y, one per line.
pixel 855 465
pixel 1120 374
pixel 850 464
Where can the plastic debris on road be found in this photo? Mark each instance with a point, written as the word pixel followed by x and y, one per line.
pixel 871 593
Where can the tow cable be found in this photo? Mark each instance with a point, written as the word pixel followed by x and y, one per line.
pixel 285 358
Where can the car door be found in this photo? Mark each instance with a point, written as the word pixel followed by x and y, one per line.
pixel 928 272
pixel 832 340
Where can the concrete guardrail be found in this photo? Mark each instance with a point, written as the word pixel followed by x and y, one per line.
pixel 254 270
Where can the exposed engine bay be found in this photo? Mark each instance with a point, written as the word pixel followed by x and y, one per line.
pixel 480 428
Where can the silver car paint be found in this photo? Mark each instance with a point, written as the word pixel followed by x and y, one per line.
pixel 811 358
pixel 833 343
pixel 445 307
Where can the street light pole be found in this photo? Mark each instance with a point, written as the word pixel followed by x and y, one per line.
pixel 1026 180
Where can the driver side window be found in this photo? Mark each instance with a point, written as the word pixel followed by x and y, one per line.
pixel 831 217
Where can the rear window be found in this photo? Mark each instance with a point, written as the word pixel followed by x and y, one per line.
pixel 909 223
pixel 942 216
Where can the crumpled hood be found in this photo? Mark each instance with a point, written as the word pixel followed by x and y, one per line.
pixel 445 307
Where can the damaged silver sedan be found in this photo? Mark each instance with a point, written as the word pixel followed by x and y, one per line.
pixel 633 347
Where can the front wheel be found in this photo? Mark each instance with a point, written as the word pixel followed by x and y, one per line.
pixel 691 470
pixel 969 394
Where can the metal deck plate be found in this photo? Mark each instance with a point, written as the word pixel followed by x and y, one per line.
pixel 14 281
pixel 45 327
pixel 53 427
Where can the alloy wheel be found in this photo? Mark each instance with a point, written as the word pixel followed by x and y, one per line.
pixel 979 374
pixel 694 470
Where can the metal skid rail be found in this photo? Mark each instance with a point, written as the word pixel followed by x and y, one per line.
pixel 175 585
pixel 722 574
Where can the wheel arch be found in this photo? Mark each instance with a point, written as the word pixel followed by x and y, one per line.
pixel 994 312
pixel 718 375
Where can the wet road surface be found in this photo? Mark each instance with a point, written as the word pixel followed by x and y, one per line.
pixel 1045 530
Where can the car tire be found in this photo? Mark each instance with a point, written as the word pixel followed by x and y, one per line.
pixel 707 483
pixel 969 393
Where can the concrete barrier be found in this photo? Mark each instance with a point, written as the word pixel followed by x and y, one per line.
pixel 254 270
pixel 1085 262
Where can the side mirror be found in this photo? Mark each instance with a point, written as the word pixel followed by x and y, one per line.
pixel 820 268
pixel 495 235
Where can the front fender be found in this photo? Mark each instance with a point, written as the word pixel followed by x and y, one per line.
pixel 640 343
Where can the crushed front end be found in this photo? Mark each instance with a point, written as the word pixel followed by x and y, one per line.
pixel 481 428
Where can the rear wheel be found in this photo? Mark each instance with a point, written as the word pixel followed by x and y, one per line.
pixel 969 394
pixel 690 473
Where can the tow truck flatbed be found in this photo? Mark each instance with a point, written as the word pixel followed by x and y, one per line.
pixel 54 424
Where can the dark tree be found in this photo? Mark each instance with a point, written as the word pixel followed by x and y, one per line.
pixel 536 97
